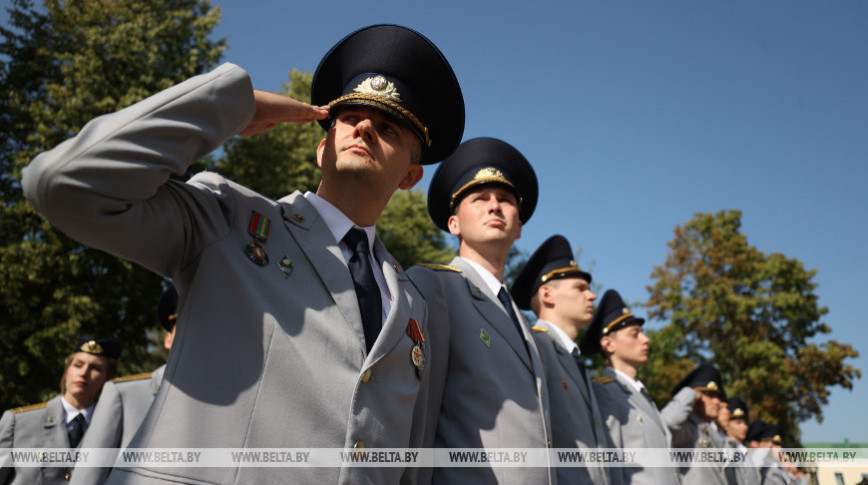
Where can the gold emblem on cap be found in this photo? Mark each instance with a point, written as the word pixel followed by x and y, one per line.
pixel 379 86
pixel 712 386
pixel 573 264
pixel 738 413
pixel 91 347
pixel 489 173
pixel 625 311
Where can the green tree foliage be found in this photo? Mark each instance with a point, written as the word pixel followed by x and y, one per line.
pixel 278 161
pixel 409 233
pixel 753 315
pixel 61 65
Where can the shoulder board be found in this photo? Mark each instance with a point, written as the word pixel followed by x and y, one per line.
pixel 603 380
pixel 31 407
pixel 439 267
pixel 134 377
pixel 539 329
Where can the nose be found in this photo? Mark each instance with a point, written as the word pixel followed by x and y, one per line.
pixel 365 128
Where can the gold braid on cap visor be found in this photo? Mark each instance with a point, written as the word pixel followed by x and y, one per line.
pixel 617 321
pixel 479 181
pixel 558 272
pixel 391 107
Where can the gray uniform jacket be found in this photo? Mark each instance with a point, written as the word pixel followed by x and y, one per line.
pixel 576 418
pixel 485 386
pixel 122 407
pixel 36 426
pixel 633 421
pixel 688 431
pixel 740 473
pixel 270 355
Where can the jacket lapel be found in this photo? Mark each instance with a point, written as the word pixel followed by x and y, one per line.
pixel 395 326
pixel 321 249
pixel 55 425
pixel 488 306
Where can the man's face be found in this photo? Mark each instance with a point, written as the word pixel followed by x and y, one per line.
pixel 366 146
pixel 487 215
pixel 707 406
pixel 737 428
pixel 84 378
pixel 573 300
pixel 628 344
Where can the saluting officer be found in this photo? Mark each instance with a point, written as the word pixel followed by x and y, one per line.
pixel 62 421
pixel 690 414
pixel 632 417
pixel 319 319
pixel 486 374
pixel 767 437
pixel 125 401
pixel 553 286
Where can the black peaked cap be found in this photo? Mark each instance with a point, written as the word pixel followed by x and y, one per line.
pixel 476 162
pixel 737 408
pixel 401 73
pixel 552 260
pixel 705 378
pixel 167 308
pixel 611 315
pixel 106 347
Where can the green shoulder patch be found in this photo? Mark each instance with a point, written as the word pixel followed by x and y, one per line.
pixel 439 267
pixel 134 377
pixel 32 407
pixel 603 380
pixel 539 329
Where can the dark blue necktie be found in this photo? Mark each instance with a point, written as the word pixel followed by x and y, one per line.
pixel 504 298
pixel 77 431
pixel 581 363
pixel 367 290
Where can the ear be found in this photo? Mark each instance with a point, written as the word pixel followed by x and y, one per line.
pixel 319 152
pixel 412 177
pixel 454 227
pixel 546 295
pixel 607 344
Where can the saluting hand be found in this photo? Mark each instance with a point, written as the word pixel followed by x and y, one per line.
pixel 272 109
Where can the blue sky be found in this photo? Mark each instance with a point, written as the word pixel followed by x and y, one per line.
pixel 637 115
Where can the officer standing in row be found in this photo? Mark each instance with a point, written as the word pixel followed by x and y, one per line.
pixel 62 421
pixel 732 422
pixel 486 373
pixel 126 400
pixel 553 286
pixel 690 415
pixel 767 438
pixel 314 311
pixel 632 417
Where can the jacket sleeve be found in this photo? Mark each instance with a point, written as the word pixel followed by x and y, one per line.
pixel 109 188
pixel 105 431
pixel 7 439
pixel 675 415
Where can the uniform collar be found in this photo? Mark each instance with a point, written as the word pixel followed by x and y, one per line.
pixel 562 337
pixel 70 411
pixel 634 384
pixel 338 222
pixel 487 278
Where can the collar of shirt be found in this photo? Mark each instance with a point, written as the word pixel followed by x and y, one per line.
pixel 488 278
pixel 338 222
pixel 562 337
pixel 70 412
pixel 339 225
pixel 636 384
